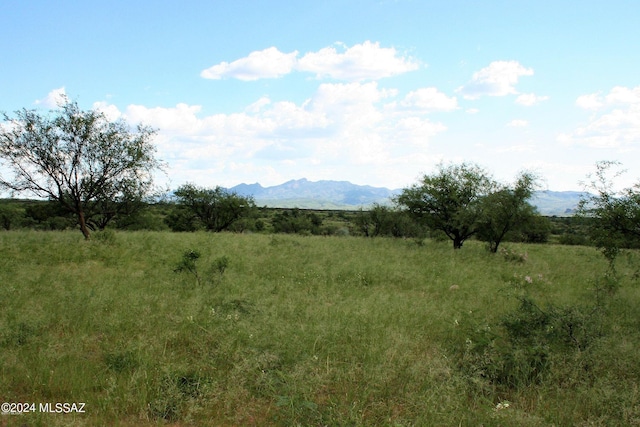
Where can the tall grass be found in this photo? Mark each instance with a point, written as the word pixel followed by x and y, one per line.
pixel 297 331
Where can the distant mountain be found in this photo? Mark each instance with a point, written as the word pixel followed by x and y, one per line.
pixel 305 194
pixel 558 203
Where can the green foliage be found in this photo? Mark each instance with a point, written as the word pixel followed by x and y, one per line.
pixel 449 200
pixel 506 210
pixel 220 265
pixel 93 167
pixel 216 209
pixel 511 255
pixel 615 214
pixel 48 215
pixel 382 220
pixel 174 394
pixel 460 201
pixel 182 219
pixel 188 264
pixel 296 221
pixel 106 236
pixel 521 349
pixel 10 216
pixel 534 229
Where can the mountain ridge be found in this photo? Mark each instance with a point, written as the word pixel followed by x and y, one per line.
pixel 329 194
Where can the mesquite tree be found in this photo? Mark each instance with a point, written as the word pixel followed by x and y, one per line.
pixel 506 210
pixel 449 200
pixel 614 215
pixel 92 166
pixel 215 208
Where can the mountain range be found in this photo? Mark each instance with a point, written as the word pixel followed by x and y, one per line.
pixel 305 194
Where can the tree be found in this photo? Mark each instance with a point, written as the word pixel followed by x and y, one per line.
pixel 381 220
pixel 10 216
pixel 614 215
pixel 215 208
pixel 506 210
pixel 296 221
pixel 449 200
pixel 88 164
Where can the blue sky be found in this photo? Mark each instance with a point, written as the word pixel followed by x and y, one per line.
pixel 373 92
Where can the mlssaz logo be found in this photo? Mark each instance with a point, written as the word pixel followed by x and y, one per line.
pixel 62 408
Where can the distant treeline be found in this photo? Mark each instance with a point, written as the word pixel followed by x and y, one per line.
pixel 378 221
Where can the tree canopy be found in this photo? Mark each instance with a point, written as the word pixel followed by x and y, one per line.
pixel 449 200
pixel 92 166
pixel 463 201
pixel 505 210
pixel 614 214
pixel 215 208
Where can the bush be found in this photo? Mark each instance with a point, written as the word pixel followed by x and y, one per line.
pixel 296 221
pixel 188 264
pixel 519 349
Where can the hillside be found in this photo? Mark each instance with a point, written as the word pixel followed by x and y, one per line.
pixel 305 194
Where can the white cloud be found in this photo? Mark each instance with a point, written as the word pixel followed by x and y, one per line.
pixel 258 105
pixel 264 64
pixel 518 123
pixel 590 102
pixel 529 99
pixel 54 99
pixel 353 131
pixel 615 122
pixel 618 96
pixel 498 79
pixel 430 99
pixel 518 148
pixel 110 111
pixel 366 61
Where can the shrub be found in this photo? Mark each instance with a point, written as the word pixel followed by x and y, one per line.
pixel 188 264
pixel 521 347
pixel 106 236
pixel 513 256
pixel 175 392
pixel 219 266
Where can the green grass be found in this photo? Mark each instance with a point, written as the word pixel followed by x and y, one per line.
pixel 298 331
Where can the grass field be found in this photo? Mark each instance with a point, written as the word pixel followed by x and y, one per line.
pixel 314 331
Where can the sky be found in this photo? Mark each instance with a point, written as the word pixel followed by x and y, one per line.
pixel 372 92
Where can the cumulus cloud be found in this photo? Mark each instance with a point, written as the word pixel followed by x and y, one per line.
pixel 518 123
pixel 615 122
pixel 590 102
pixel 430 99
pixel 366 61
pixel 54 99
pixel 498 79
pixel 618 96
pixel 357 131
pixel 264 64
pixel 110 111
pixel 529 99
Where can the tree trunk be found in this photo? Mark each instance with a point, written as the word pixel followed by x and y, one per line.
pixel 457 242
pixel 83 225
